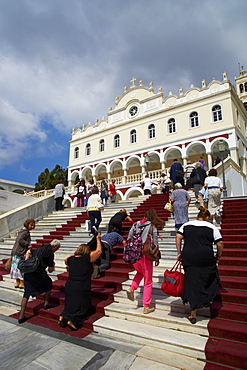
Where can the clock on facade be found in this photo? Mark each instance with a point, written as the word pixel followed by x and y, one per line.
pixel 133 111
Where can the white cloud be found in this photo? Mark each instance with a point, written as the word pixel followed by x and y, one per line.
pixel 64 62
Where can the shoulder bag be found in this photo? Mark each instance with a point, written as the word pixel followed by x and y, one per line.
pixel 29 265
pixel 100 206
pixel 169 207
pixel 150 249
pixel 173 283
pixel 196 178
pixel 178 171
pixel 8 264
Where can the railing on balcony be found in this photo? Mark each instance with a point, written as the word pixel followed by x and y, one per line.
pixel 134 179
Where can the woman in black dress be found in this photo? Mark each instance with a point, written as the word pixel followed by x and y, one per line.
pixel 77 305
pixel 117 220
pixel 201 279
pixel 38 282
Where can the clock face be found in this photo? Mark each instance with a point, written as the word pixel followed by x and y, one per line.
pixel 133 111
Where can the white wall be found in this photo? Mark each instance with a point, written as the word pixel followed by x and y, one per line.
pixel 9 200
pixel 235 183
pixel 36 209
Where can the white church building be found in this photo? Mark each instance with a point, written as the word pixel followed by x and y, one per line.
pixel 146 130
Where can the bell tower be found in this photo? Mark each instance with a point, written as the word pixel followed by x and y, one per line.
pixel 241 85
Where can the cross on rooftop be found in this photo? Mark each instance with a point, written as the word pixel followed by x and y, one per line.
pixel 133 81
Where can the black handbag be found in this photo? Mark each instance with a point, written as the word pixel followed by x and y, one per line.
pixel 196 178
pixel 29 265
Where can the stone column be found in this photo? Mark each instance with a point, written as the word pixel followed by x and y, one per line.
pixel 209 160
pixel 243 165
pixel 163 166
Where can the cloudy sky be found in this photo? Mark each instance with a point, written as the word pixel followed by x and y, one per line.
pixel 63 62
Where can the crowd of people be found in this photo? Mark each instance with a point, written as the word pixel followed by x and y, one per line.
pixel 84 191
pixel 93 259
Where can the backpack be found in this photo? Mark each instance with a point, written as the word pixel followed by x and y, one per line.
pixel 134 245
pixel 179 172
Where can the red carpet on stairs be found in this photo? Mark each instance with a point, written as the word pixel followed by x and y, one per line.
pixel 103 289
pixel 226 347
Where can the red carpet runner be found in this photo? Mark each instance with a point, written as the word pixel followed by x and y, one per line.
pixel 226 347
pixel 104 288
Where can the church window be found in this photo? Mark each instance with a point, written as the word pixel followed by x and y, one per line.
pixel 116 141
pixel 217 113
pixel 102 145
pixel 245 86
pixel 133 111
pixel 171 126
pixel 151 131
pixel 76 152
pixel 88 149
pixel 194 121
pixel 241 88
pixel 133 136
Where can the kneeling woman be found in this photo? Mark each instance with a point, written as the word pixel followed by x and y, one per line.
pixel 201 279
pixel 38 282
pixel 77 306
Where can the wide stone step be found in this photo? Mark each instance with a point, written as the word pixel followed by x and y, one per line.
pixel 10 299
pixel 160 318
pixel 161 302
pixel 175 341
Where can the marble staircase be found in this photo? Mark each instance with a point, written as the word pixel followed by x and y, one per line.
pixel 166 328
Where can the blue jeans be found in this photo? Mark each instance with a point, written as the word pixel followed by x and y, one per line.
pixel 95 219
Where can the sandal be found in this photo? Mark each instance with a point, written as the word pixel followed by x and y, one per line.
pixel 61 322
pixel 71 325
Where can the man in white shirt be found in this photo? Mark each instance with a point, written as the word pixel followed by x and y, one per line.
pixel 147 185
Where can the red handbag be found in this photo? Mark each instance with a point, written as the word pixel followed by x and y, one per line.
pixel 173 283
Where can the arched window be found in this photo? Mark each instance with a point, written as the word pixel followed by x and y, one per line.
pixel 194 121
pixel 217 113
pixel 76 152
pixel 151 131
pixel 102 145
pixel 171 126
pixel 133 136
pixel 245 86
pixel 88 149
pixel 241 88
pixel 116 141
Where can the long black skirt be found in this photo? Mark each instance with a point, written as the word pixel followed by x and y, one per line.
pixel 77 305
pixel 36 283
pixel 200 286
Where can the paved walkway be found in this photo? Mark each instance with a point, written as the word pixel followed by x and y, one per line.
pixel 31 347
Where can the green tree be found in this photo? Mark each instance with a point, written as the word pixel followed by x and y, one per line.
pixel 49 179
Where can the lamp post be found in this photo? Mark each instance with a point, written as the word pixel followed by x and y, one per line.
pixel 147 161
pixel 222 150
